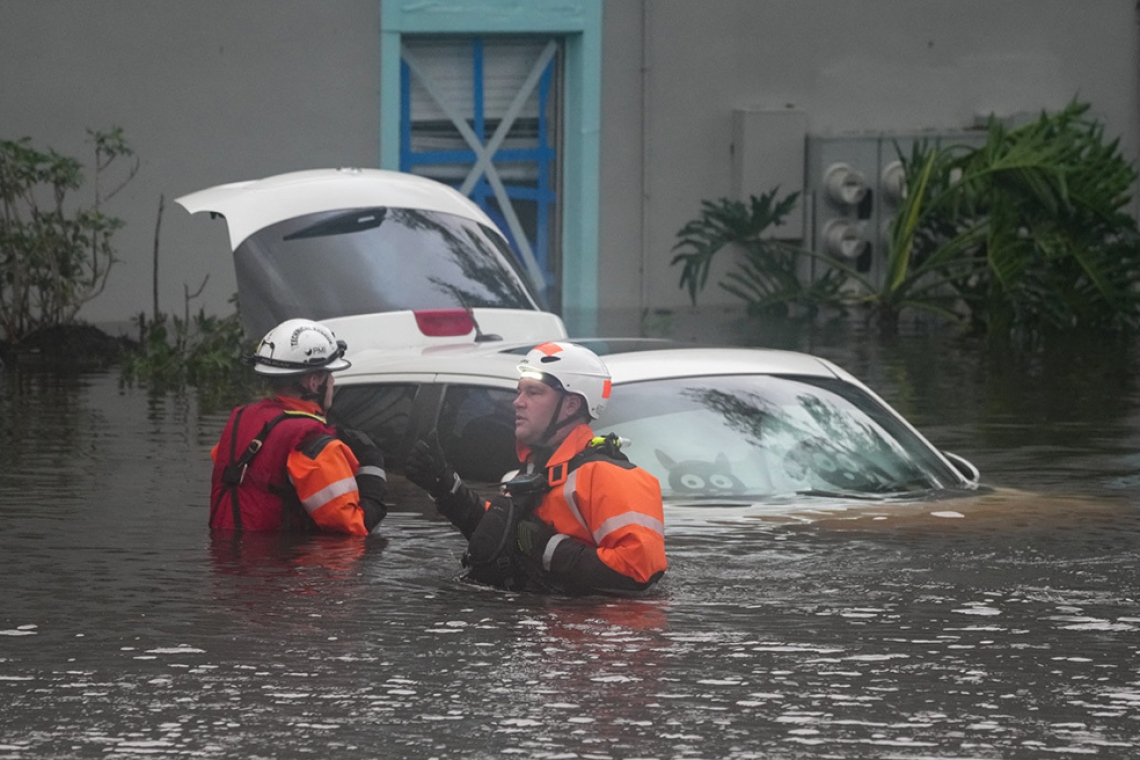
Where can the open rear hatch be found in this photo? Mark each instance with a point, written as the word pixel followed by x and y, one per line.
pixel 364 250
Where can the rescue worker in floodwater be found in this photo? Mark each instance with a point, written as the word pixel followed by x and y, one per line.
pixel 279 465
pixel 579 518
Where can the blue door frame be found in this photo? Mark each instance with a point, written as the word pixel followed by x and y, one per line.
pixel 578 24
pixel 534 254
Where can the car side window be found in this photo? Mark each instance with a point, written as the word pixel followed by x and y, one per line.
pixel 383 412
pixel 476 430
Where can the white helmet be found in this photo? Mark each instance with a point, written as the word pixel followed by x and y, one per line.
pixel 573 369
pixel 298 347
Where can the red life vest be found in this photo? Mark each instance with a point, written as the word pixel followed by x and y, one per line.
pixel 256 494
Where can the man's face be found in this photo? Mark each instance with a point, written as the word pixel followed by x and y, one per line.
pixel 534 408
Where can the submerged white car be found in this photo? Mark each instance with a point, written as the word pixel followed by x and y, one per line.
pixel 716 426
pixel 437 316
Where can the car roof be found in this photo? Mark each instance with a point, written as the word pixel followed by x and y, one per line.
pixel 256 204
pixel 628 362
pixel 692 362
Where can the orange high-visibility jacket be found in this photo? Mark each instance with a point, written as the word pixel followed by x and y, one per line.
pixel 613 506
pixel 300 461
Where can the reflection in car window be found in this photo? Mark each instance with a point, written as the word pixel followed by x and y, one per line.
pixel 476 430
pixel 758 435
pixel 383 412
pixel 337 263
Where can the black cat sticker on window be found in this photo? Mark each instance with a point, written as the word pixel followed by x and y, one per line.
pixel 696 476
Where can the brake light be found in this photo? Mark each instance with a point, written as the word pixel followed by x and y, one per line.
pixel 439 323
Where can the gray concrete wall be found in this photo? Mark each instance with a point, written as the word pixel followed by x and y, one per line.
pixel 851 66
pixel 208 91
pixel 213 91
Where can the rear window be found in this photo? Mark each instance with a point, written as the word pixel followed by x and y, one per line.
pixel 372 260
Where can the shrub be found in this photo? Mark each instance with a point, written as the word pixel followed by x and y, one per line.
pixel 767 278
pixel 1046 207
pixel 204 352
pixel 53 257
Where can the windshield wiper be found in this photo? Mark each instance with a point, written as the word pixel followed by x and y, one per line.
pixel 356 220
pixel 711 501
pixel 860 495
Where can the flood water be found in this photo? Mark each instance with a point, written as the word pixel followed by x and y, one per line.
pixel 1011 632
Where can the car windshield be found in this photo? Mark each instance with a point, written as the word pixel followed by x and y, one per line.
pixel 755 436
pixel 371 260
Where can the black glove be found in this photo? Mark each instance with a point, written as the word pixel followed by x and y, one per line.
pixel 373 490
pixel 427 467
pixel 532 536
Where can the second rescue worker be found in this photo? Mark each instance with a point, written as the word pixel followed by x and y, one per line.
pixel 581 518
pixel 279 465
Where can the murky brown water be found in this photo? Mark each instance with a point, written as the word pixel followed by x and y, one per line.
pixel 1010 632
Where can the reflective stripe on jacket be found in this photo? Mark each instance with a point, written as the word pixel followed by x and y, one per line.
pixel 613 506
pixel 299 463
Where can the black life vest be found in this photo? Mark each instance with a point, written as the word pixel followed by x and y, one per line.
pixel 492 555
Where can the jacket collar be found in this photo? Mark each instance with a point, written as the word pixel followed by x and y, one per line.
pixel 574 442
pixel 294 404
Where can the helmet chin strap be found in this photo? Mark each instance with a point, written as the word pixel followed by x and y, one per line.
pixel 555 424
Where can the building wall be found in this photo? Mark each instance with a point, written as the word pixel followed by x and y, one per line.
pixel 214 91
pixel 860 66
pixel 207 92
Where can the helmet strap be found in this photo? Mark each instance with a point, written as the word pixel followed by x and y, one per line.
pixel 556 424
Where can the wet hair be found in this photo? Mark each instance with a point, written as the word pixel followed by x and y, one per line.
pixel 284 386
pixel 289 385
